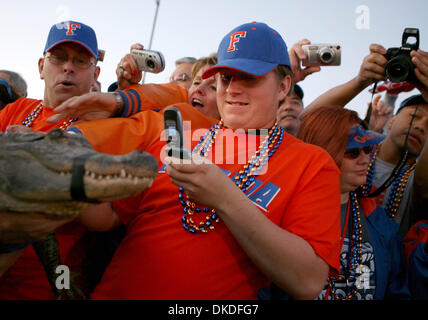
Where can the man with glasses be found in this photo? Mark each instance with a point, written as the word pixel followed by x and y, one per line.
pixel 69 69
pixel 182 74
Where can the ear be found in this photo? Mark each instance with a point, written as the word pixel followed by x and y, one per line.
pixel 41 67
pixel 391 121
pixel 284 87
pixel 97 73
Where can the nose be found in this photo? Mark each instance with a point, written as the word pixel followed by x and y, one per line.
pixel 201 88
pixel 68 67
pixel 364 158
pixel 421 125
pixel 233 86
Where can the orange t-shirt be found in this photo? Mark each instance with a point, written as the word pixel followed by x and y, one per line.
pixel 158 259
pixel 16 112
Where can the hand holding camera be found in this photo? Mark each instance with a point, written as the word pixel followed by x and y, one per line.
pixel 400 66
pixel 322 55
pixel 127 71
pixel 373 67
pixel 297 54
pixel 149 61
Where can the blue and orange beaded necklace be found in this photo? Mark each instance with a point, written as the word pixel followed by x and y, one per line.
pixel 397 188
pixel 28 122
pixel 350 271
pixel 243 179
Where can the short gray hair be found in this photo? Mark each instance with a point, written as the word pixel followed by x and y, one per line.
pixel 185 60
pixel 16 82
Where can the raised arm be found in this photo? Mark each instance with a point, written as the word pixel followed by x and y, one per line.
pixel 130 99
pixel 372 69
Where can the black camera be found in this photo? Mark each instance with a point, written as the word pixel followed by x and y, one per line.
pixel 400 67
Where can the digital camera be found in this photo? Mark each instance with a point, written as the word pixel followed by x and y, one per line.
pixel 149 61
pixel 400 66
pixel 321 55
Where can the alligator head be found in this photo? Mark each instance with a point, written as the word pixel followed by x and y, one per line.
pixel 36 172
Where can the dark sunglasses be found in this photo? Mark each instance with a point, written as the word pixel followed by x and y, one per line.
pixel 354 153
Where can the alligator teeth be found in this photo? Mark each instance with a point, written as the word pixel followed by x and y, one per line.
pixel 122 175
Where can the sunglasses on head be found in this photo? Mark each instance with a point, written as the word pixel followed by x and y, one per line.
pixel 354 153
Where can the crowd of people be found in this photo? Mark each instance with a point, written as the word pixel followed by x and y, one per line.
pixel 278 200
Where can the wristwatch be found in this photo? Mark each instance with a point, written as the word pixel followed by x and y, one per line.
pixel 119 104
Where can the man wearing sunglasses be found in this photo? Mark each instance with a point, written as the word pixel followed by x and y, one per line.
pixel 69 69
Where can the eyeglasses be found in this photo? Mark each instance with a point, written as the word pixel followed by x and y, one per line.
pixel 180 78
pixel 59 60
pixel 354 153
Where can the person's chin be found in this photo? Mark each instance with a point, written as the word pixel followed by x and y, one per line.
pixel 288 122
pixel 63 96
pixel 235 121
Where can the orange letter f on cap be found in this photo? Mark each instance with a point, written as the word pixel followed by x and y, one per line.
pixel 234 37
pixel 71 27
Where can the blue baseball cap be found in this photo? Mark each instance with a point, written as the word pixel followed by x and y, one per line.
pixel 253 48
pixel 73 31
pixel 360 137
pixel 414 100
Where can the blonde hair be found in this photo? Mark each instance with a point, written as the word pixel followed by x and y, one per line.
pixel 211 60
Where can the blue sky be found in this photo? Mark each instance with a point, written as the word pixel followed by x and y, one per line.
pixel 195 28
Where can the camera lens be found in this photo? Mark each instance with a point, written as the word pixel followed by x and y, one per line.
pixel 150 64
pixel 398 69
pixel 326 55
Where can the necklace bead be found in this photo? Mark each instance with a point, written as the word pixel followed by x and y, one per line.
pixel 243 179
pixel 28 121
pixel 353 270
pixel 397 188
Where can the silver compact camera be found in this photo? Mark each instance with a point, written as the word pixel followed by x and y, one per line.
pixel 149 61
pixel 321 55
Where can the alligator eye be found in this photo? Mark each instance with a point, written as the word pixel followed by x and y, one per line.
pixel 56 134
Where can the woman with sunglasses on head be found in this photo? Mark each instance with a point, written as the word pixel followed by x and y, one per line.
pixel 371 264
